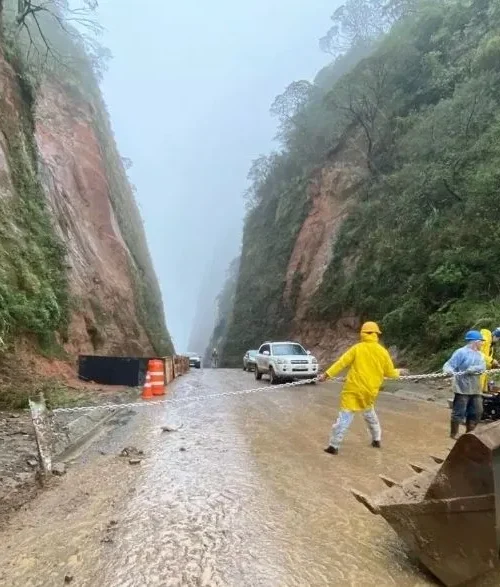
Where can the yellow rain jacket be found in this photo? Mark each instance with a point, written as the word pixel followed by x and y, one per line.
pixel 368 363
pixel 486 350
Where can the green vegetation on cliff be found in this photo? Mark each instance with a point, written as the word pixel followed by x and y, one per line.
pixel 423 229
pixel 225 305
pixel 268 239
pixel 419 247
pixel 33 287
pixel 39 41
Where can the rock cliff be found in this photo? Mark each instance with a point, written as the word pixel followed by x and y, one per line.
pixel 327 195
pixel 381 203
pixel 75 271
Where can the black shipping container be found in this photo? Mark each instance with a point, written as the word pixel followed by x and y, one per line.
pixel 127 371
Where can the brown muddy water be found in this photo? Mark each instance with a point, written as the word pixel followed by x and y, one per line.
pixel 241 495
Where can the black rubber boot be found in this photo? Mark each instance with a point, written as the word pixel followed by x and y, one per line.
pixel 376 444
pixel 470 425
pixel 332 450
pixel 454 428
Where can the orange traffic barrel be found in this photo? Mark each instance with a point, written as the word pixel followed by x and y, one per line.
pixel 147 392
pixel 157 372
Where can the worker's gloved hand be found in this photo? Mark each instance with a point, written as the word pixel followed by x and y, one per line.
pixel 322 377
pixel 404 372
pixel 494 363
pixel 474 370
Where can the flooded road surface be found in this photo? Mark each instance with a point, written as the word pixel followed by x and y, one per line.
pixel 241 495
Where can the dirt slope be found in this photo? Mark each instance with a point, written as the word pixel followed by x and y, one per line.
pixel 98 258
pixel 62 145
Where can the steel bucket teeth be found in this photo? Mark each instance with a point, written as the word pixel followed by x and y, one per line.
pixel 389 482
pixel 417 468
pixel 366 501
pixel 437 460
pixel 447 514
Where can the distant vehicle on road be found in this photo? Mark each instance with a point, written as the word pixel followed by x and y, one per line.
pixel 285 361
pixel 249 360
pixel 194 360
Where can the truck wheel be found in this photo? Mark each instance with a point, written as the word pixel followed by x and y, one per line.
pixel 258 374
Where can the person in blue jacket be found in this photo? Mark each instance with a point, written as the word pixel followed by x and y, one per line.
pixel 466 365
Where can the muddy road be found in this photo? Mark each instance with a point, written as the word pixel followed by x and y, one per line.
pixel 241 495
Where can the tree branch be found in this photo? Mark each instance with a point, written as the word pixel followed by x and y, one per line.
pixel 27 19
pixel 469 120
pixel 452 192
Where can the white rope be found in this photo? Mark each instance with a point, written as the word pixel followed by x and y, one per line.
pixel 268 389
pixel 180 400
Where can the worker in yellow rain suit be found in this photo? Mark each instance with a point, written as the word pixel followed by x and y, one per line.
pixel 487 352
pixel 368 363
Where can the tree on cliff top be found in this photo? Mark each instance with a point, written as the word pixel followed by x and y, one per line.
pixel 43 29
pixel 358 23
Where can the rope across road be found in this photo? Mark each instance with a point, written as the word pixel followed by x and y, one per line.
pixel 267 389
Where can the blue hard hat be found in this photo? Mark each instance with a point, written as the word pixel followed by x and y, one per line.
pixel 496 332
pixel 473 335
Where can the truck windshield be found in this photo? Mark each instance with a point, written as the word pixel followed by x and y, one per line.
pixel 288 349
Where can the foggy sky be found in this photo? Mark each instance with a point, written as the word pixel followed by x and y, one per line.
pixel 189 90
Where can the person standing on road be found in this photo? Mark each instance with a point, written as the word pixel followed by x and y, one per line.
pixel 487 352
pixel 368 363
pixel 466 364
pixel 215 356
pixel 495 337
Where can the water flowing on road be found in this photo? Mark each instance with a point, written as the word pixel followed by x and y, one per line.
pixel 241 495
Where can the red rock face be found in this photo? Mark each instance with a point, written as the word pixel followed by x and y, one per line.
pixel 329 193
pixel 105 317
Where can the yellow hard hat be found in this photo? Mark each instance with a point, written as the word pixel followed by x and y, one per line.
pixel 369 327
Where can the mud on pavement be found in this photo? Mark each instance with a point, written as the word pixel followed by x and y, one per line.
pixel 19 459
pixel 241 495
pixel 18 462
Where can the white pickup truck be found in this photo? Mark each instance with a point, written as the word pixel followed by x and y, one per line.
pixel 285 361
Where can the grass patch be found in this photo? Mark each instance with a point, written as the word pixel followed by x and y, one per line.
pixel 57 395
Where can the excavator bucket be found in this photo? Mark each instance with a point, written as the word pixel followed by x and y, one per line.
pixel 448 514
